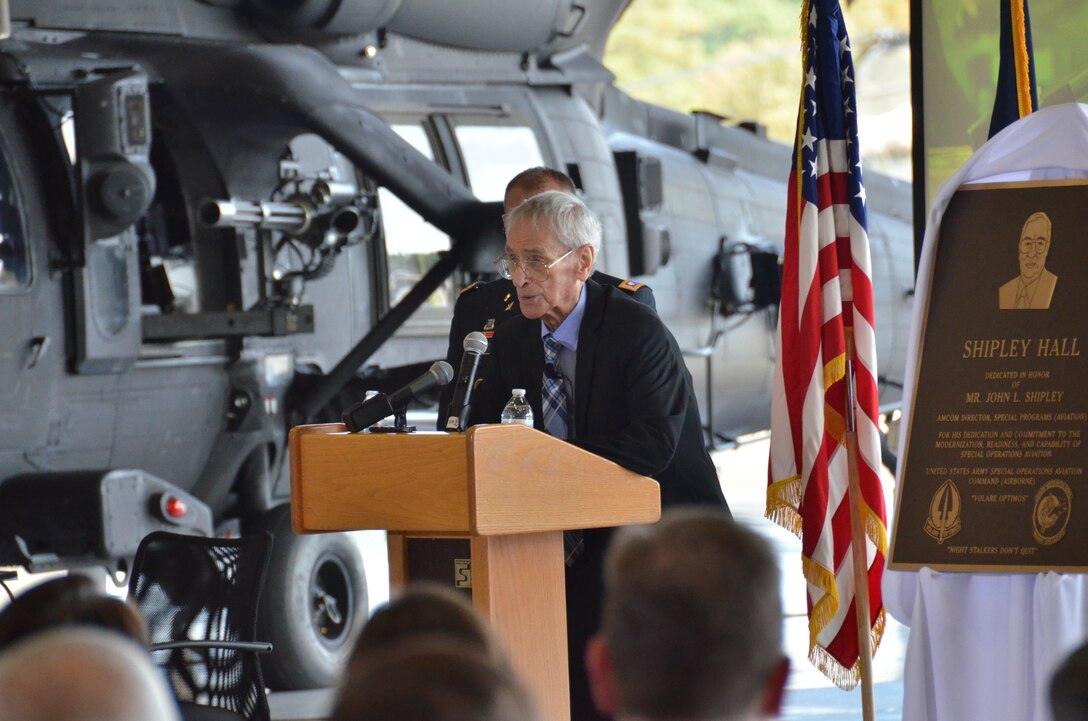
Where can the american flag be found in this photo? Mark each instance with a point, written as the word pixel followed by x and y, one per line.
pixel 827 305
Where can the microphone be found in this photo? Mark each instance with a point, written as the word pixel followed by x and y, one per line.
pixel 475 346
pixel 366 413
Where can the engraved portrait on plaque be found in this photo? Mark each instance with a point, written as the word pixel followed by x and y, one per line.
pixel 993 463
pixel 1034 287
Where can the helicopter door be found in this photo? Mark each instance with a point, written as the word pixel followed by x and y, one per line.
pixel 14 255
pixel 16 303
pixel 32 326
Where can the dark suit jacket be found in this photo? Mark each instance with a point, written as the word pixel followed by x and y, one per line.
pixel 485 306
pixel 1040 300
pixel 633 397
pixel 633 404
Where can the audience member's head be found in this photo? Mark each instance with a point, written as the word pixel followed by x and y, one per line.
pixel 534 181
pixel 68 600
pixel 1069 688
pixel 692 623
pixel 82 674
pixel 431 680
pixel 428 611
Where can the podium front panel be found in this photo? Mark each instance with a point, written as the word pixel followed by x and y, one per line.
pixel 357 481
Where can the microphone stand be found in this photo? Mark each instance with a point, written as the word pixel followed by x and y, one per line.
pixel 400 425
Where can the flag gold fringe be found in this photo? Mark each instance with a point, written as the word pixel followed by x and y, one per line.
pixel 834 370
pixel 1020 57
pixel 834 424
pixel 783 498
pixel 825 609
pixel 846 678
pixel 876 634
pixel 797 142
pixel 875 529
pixel 805 7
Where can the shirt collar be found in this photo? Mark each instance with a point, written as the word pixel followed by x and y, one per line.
pixel 1029 283
pixel 567 332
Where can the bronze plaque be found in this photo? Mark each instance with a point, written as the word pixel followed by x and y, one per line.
pixel 993 475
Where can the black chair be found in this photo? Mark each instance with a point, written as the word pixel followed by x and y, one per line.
pixel 199 597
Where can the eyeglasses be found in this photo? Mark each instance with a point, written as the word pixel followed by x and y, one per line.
pixel 1028 245
pixel 534 269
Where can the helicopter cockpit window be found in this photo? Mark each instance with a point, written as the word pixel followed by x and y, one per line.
pixel 14 261
pixel 494 154
pixel 412 244
pixel 106 260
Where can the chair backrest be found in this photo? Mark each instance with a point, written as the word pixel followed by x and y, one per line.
pixel 195 589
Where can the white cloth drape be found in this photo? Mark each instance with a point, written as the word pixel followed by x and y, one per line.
pixel 983 646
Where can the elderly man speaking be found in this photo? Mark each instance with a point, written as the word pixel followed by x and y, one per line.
pixel 601 371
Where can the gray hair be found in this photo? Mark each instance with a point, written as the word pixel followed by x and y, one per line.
pixel 563 215
pixel 1040 215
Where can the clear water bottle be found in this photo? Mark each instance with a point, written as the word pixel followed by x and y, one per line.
pixel 517 409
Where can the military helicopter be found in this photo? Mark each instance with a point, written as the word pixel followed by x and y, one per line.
pixel 223 218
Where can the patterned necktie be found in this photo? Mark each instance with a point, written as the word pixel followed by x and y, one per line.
pixel 556 422
pixel 1022 300
pixel 556 413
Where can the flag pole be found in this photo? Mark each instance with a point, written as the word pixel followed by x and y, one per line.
pixel 857 544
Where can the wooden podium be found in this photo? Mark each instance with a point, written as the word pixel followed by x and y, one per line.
pixel 510 490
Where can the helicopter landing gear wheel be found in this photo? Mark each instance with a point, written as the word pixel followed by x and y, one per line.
pixel 314 598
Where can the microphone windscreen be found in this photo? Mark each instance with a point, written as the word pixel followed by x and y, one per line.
pixel 442 371
pixel 475 342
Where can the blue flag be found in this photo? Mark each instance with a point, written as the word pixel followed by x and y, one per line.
pixel 1017 94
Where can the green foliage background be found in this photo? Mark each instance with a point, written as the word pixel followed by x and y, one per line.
pixel 737 58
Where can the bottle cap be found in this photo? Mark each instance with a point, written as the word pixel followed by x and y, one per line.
pixel 518 391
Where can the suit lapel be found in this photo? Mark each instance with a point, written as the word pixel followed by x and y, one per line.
pixel 588 338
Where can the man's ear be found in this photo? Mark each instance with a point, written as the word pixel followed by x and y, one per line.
pixel 602 678
pixel 774 692
pixel 586 255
